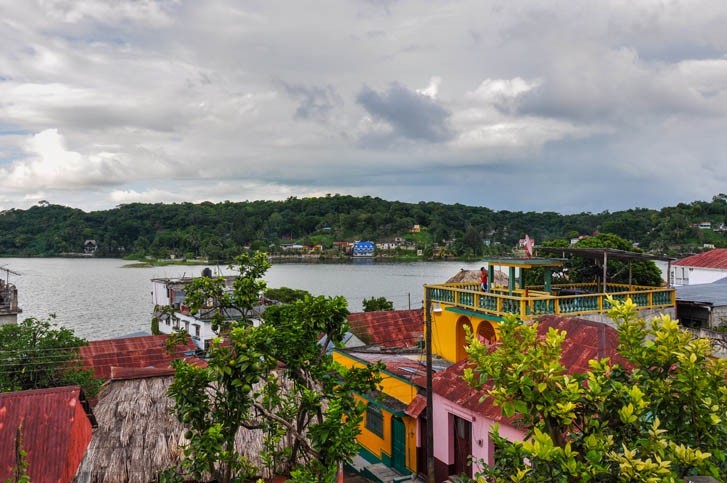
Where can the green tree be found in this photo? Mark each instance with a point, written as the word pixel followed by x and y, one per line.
pixel 642 273
pixel 661 418
pixel 376 304
pixel 36 354
pixel 285 295
pixel 261 380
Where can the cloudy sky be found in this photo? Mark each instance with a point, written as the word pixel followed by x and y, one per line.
pixel 510 104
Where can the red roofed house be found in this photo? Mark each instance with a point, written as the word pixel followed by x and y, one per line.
pixel 145 351
pixel 462 424
pixel 704 267
pixel 56 428
pixel 389 328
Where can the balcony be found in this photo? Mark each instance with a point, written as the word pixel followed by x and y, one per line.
pixel 568 299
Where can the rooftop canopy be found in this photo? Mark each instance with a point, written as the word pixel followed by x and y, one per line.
pixel 525 262
pixel 603 252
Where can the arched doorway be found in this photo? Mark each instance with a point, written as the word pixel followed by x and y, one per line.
pixel 462 322
pixel 486 332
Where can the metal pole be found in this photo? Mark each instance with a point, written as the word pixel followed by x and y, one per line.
pixel 409 295
pixel 430 403
pixel 605 269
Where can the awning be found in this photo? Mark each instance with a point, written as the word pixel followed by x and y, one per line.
pixel 415 408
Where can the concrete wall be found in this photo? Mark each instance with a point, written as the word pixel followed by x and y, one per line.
pixel 482 450
pixel 647 314
pixel 695 275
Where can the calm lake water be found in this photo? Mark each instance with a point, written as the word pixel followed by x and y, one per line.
pixel 100 298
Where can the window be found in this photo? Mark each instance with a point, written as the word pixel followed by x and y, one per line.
pixel 375 421
pixel 196 330
pixel 186 325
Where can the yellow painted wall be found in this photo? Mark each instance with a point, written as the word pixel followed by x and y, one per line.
pixel 396 388
pixel 445 341
pixel 411 443
pixel 372 442
pixel 381 446
pixel 391 385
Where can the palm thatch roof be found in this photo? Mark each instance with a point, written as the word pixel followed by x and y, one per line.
pixel 473 276
pixel 138 434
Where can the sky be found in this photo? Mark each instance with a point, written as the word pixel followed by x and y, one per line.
pixel 517 105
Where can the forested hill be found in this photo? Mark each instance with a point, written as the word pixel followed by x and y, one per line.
pixel 219 230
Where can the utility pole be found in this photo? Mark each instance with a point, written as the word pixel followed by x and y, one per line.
pixel 430 404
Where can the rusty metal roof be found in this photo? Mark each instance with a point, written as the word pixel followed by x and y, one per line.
pixel 55 432
pixel 716 258
pixel 416 407
pixel 146 351
pixel 585 340
pixel 388 328
pixel 410 368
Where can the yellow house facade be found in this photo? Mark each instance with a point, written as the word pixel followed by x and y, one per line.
pixel 388 435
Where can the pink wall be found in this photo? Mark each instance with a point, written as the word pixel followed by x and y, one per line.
pixel 444 412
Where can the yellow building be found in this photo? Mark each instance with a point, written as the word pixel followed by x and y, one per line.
pixel 388 434
pixel 457 308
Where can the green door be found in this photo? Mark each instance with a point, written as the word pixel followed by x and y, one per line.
pixel 398 445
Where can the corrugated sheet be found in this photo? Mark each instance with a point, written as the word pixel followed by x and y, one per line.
pixel 388 328
pixel 716 258
pixel 147 351
pixel 416 407
pixel 55 432
pixel 585 340
pixel 402 366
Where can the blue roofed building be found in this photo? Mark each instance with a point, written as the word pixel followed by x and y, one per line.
pixel 364 249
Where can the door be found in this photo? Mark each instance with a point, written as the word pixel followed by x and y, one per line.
pixel 422 449
pixel 462 446
pixel 398 445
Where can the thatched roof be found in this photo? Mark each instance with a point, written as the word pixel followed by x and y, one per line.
pixel 139 436
pixel 473 276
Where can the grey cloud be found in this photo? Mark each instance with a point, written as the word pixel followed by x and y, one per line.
pixel 411 116
pixel 316 102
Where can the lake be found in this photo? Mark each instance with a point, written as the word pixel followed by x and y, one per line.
pixel 100 298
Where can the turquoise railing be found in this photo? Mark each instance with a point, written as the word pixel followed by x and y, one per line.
pixel 533 301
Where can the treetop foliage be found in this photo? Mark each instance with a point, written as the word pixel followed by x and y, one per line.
pixel 660 417
pixel 375 304
pixel 275 378
pixel 218 231
pixel 37 354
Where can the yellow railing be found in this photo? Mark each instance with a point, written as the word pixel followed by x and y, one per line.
pixel 570 299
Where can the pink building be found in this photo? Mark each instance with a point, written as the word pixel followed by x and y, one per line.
pixel 462 424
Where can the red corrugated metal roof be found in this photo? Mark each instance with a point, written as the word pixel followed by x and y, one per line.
pixel 145 351
pixel 399 365
pixel 55 432
pixel 716 258
pixel 388 328
pixel 585 340
pixel 415 408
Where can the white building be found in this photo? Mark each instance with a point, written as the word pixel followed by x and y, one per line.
pixel 704 267
pixel 171 292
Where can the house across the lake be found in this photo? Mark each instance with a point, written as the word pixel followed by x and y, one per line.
pixel 364 249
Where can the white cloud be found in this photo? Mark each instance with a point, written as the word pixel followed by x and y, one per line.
pixel 432 89
pixel 160 100
pixel 50 164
